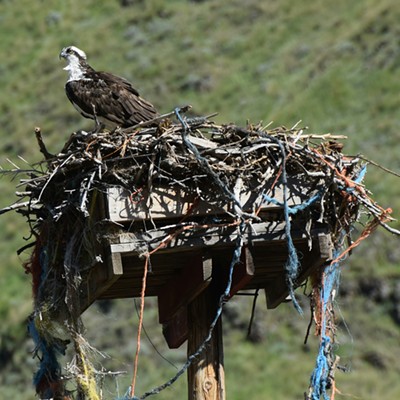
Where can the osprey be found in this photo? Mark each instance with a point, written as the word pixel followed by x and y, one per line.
pixel 104 97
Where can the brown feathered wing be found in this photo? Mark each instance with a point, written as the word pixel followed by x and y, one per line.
pixel 112 98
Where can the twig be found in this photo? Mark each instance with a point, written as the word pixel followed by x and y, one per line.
pixel 253 309
pixel 41 144
pixel 157 119
pixel 390 171
pixel 17 206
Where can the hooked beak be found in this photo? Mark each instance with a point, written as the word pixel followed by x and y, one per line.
pixel 63 54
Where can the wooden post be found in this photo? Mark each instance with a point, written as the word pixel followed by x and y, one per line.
pixel 206 380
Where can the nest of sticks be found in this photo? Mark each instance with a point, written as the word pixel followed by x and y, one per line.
pixel 213 163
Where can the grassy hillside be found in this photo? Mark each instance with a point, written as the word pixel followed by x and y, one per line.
pixel 333 65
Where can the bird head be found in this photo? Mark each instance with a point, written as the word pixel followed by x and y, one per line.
pixel 76 59
pixel 71 52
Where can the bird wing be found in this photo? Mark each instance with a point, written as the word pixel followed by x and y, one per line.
pixel 113 99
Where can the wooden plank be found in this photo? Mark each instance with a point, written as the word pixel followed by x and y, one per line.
pixel 269 252
pixel 198 238
pixel 206 378
pixel 268 256
pixel 175 331
pixel 177 293
pixel 184 286
pixel 164 202
pixel 243 272
pixel 325 245
pixel 101 278
pixel 174 202
pixel 276 290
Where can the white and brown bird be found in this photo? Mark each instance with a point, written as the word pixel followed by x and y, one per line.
pixel 104 97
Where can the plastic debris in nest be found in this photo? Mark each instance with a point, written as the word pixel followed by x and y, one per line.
pixel 215 163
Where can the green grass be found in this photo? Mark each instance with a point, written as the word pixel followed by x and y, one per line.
pixel 333 65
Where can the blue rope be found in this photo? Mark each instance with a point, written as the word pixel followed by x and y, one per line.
pixel 320 376
pixel 361 174
pixel 294 209
pixel 356 180
pixel 292 263
pixel 49 365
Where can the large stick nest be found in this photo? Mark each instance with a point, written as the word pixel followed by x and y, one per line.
pixel 199 157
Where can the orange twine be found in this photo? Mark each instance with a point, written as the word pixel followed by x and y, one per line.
pixel 342 174
pixel 371 226
pixel 142 296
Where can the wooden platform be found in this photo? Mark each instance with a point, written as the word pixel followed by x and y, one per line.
pixel 268 249
pixel 190 259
